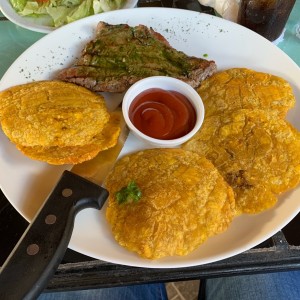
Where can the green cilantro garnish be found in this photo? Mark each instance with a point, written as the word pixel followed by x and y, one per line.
pixel 129 193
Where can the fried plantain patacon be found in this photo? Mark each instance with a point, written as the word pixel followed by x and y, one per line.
pixel 57 122
pixel 56 155
pixel 257 153
pixel 241 88
pixel 184 201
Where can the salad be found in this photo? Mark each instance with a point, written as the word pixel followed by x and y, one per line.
pixel 63 12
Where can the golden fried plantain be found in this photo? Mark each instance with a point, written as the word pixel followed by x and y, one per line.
pixel 184 202
pixel 51 113
pixel 257 153
pixel 57 122
pixel 241 88
pixel 60 155
pixel 55 155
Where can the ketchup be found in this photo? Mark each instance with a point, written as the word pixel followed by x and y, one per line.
pixel 162 114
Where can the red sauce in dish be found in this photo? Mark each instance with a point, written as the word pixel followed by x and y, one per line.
pixel 162 114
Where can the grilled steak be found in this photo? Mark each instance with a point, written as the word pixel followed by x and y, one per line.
pixel 120 55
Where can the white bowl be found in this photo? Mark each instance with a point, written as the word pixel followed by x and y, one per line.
pixel 165 83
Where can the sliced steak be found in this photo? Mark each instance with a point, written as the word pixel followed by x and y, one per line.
pixel 120 55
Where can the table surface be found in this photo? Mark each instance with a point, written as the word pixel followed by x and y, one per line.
pixel 279 253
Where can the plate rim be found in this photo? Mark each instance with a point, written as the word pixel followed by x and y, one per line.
pixel 154 265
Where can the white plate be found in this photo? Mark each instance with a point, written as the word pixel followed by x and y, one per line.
pixel 26 183
pixel 40 24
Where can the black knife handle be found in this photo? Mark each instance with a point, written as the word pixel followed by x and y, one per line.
pixel 38 253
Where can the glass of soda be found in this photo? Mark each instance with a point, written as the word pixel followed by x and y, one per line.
pixel 266 17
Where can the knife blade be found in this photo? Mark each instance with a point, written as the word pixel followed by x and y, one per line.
pixel 41 248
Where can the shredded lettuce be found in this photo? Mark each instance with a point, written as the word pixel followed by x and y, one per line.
pixel 83 10
pixel 18 5
pixel 65 11
pixel 107 5
pixel 59 14
pixel 33 8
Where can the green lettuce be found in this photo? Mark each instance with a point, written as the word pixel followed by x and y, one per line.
pixel 65 11
pixel 32 8
pixel 59 14
pixel 83 10
pixel 18 5
pixel 107 5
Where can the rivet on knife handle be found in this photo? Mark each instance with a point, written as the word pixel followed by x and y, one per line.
pixel 37 255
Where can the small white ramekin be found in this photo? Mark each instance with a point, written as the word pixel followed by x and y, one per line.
pixel 166 83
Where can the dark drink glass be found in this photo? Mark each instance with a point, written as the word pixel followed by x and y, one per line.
pixel 266 17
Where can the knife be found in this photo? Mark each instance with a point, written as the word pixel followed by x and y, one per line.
pixel 41 248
